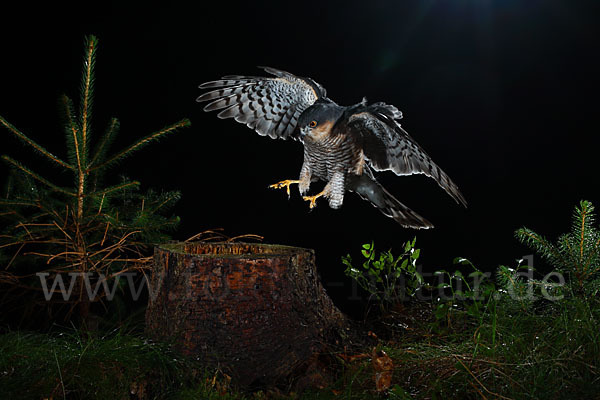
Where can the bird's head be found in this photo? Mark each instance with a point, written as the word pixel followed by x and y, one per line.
pixel 317 121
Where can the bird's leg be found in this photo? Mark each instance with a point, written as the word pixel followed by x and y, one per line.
pixel 303 182
pixel 337 187
pixel 284 184
pixel 313 199
pixel 305 177
pixel 334 191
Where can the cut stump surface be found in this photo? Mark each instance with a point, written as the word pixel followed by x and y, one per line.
pixel 255 310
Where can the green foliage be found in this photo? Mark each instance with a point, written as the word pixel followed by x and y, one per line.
pixel 518 290
pixel 94 224
pixel 492 346
pixel 509 343
pixel 75 366
pixel 576 253
pixel 552 352
pixel 387 278
pixel 456 294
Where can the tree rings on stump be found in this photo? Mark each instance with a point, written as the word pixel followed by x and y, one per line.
pixel 255 310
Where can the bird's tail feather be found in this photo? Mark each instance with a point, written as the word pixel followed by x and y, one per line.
pixel 402 214
pixel 381 199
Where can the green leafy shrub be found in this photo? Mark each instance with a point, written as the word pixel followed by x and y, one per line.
pixel 387 278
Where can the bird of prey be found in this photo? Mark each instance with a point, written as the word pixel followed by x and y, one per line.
pixel 343 146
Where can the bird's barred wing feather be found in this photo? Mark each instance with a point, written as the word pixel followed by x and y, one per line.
pixel 388 147
pixel 269 105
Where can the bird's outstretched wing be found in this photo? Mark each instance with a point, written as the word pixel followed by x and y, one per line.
pixel 388 147
pixel 269 105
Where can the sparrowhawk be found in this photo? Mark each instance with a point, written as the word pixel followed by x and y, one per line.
pixel 343 146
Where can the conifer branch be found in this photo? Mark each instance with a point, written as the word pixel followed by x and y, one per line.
pixel 115 188
pixel 33 144
pixel 576 251
pixel 169 198
pixel 570 256
pixel 17 203
pixel 142 143
pixel 591 256
pixel 71 230
pixel 582 234
pixel 105 141
pixel 35 176
pixel 77 142
pixel 73 132
pixel 87 89
pixel 541 244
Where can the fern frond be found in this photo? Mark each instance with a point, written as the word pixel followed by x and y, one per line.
pixel 36 176
pixel 140 144
pixel 21 136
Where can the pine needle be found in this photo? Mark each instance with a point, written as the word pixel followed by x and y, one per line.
pixel 142 143
pixel 36 176
pixel 33 144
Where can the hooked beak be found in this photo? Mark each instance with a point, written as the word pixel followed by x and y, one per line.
pixel 304 130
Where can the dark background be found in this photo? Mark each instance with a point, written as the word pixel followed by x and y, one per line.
pixel 503 94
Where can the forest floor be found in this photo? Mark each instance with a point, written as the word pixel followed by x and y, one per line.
pixel 549 351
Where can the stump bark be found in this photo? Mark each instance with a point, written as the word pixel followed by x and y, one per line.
pixel 256 310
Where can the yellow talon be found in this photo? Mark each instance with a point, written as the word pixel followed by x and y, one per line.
pixel 313 199
pixel 284 184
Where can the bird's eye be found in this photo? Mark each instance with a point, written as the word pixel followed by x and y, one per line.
pixel 312 124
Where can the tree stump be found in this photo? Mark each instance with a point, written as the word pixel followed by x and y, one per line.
pixel 255 310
